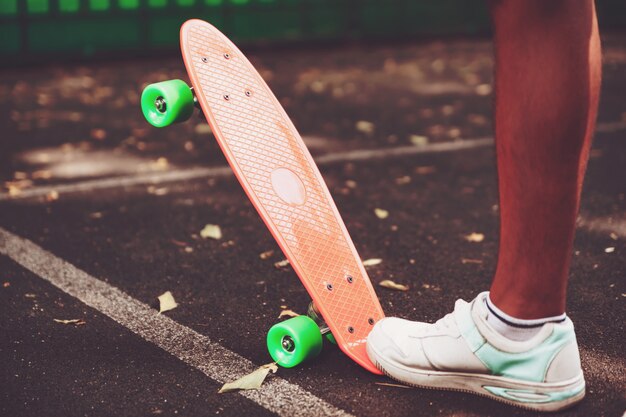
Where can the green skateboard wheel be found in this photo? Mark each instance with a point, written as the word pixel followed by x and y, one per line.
pixel 167 102
pixel 293 341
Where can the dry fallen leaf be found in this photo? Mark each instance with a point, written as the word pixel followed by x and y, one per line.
pixel 42 174
pixel 52 195
pixel 613 236
pixel 166 302
pixel 16 187
pixel 98 134
pixel 253 380
pixel 454 133
pixel 475 237
pixel 288 313
pixel 483 89
pixel 77 322
pixel 471 261
pixel 281 264
pixel 189 146
pixel 418 140
pixel 431 287
pixel 438 65
pixel 212 231
pixel 387 384
pixel 372 261
pixel 381 213
pixel 318 86
pixel 365 127
pixel 425 170
pixel 387 283
pixel 477 119
pixel 161 164
pixel 266 255
pixel 13 190
pixel 203 129
pixel 157 190
pixel 447 110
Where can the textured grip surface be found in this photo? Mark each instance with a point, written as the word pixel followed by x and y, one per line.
pixel 281 179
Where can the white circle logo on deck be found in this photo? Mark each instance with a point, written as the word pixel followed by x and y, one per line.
pixel 288 186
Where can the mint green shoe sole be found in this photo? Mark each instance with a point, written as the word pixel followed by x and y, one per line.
pixel 536 396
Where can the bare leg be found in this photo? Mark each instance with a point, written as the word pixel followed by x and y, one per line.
pixel 547 84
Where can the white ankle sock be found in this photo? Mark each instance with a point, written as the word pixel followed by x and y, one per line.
pixel 514 328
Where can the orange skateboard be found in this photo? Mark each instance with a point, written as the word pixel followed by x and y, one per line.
pixel 281 179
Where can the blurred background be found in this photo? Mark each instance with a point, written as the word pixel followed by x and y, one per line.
pixel 32 30
pixel 357 73
pixel 394 100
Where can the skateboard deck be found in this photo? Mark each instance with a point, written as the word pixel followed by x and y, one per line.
pixel 278 174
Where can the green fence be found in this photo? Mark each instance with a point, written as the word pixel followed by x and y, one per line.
pixel 31 30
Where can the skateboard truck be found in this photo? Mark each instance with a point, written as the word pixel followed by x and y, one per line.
pixel 196 104
pixel 314 313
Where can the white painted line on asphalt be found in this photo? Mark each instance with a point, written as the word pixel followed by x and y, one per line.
pixel 610 127
pixel 120 182
pixel 209 172
pixel 610 224
pixel 163 177
pixel 218 363
pixel 401 151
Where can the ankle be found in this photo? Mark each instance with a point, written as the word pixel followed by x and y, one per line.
pixel 515 328
pixel 528 303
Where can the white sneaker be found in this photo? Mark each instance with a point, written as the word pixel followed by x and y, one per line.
pixel 462 352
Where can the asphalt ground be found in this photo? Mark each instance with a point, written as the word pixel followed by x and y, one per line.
pixel 101 214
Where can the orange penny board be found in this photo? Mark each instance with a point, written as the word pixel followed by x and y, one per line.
pixel 281 179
